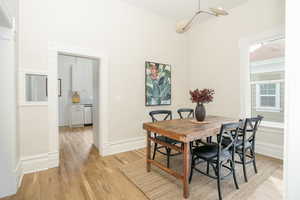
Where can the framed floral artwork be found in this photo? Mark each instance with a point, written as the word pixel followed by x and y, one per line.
pixel 157 84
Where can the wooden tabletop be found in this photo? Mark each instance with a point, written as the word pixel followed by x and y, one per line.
pixel 186 130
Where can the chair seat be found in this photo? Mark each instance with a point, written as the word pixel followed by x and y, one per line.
pixel 167 140
pixel 240 146
pixel 209 152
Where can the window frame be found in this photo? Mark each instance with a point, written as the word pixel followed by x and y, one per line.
pixel 245 86
pixel 22 99
pixel 261 108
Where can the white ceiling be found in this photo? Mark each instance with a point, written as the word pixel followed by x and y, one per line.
pixel 181 9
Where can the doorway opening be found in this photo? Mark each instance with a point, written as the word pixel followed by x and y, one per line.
pixel 100 108
pixel 263 93
pixel 78 97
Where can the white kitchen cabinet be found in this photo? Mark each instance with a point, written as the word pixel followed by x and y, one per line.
pixel 76 77
pixel 77 116
pixel 88 117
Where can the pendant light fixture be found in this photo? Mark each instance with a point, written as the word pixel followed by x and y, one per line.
pixel 185 25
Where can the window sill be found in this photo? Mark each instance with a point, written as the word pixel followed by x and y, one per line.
pixel 35 103
pixel 266 109
pixel 272 124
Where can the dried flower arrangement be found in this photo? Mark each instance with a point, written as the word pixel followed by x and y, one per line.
pixel 202 96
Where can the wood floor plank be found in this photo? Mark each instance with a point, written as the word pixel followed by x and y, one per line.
pixel 85 175
pixel 82 175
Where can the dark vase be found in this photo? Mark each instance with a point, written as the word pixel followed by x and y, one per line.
pixel 200 112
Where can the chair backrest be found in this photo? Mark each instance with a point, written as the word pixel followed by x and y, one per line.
pixel 250 128
pixel 189 113
pixel 228 131
pixel 165 114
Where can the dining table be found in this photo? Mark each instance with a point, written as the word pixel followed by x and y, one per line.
pixel 184 131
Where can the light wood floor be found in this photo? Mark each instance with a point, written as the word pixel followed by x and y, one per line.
pixel 84 175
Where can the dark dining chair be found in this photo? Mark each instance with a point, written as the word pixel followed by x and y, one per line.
pixel 218 156
pixel 164 115
pixel 189 113
pixel 185 113
pixel 245 144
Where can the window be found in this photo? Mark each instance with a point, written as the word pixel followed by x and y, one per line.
pixel 266 67
pixel 268 97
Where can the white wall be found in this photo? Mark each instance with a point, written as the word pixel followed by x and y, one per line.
pixel 292 136
pixel 5 17
pixel 213 54
pixel 127 35
pixel 9 147
pixel 12 7
pixel 8 11
pixel 8 122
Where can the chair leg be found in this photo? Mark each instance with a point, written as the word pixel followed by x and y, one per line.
pixel 244 165
pixel 209 139
pixel 234 175
pixel 254 160
pixel 154 151
pixel 191 147
pixel 168 156
pixel 192 170
pixel 207 167
pixel 219 180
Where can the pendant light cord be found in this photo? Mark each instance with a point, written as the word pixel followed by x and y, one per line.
pixel 198 5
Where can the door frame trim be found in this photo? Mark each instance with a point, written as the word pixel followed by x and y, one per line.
pixel 53 51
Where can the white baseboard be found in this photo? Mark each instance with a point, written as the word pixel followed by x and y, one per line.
pixel 36 163
pixel 19 173
pixel 14 183
pixel 271 150
pixel 39 162
pixel 53 159
pixel 123 146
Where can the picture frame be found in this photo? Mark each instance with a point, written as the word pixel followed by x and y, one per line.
pixel 157 84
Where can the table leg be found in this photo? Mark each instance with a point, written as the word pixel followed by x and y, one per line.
pixel 148 151
pixel 186 170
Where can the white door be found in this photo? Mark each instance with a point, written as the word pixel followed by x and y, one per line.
pixel 96 108
pixel 65 64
